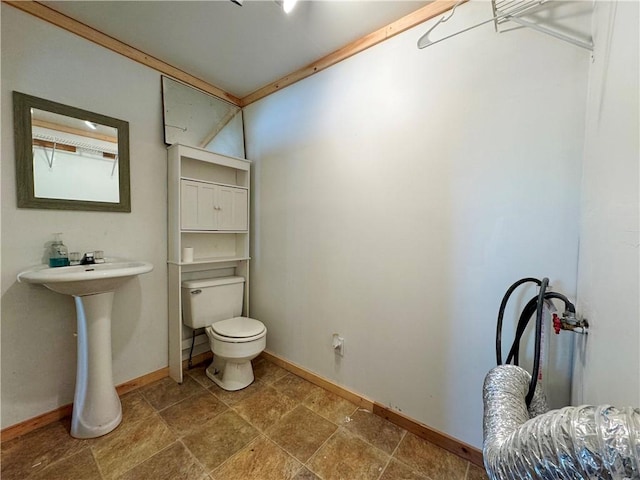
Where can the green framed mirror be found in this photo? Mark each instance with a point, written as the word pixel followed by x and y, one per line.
pixel 68 158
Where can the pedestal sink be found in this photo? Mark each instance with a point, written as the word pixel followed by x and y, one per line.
pixel 96 405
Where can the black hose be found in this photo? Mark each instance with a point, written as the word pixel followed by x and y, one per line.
pixel 568 306
pixel 503 306
pixel 523 322
pixel 536 305
pixel 525 317
pixel 538 341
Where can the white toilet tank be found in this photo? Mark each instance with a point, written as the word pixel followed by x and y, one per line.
pixel 210 300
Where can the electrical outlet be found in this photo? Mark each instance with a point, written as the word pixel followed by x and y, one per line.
pixel 338 344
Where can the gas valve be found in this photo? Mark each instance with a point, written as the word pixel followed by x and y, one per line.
pixel 557 323
pixel 569 322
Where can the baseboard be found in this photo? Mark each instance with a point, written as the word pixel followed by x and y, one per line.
pixel 440 439
pixel 421 430
pixel 34 423
pixel 65 411
pixel 316 379
pixel 136 383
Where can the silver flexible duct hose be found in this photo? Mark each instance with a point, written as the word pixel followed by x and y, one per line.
pixel 573 443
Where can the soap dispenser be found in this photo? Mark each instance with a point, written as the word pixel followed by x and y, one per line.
pixel 59 255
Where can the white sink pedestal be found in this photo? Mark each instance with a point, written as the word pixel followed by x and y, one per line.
pixel 96 405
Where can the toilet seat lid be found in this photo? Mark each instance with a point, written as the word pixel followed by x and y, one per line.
pixel 238 327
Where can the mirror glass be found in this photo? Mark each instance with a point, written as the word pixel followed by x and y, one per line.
pixel 74 159
pixel 68 158
pixel 197 119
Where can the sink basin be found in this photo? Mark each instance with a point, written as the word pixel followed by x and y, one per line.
pixel 82 280
pixel 96 406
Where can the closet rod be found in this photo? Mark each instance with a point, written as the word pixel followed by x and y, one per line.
pixel 512 15
pixel 424 41
pixel 75 143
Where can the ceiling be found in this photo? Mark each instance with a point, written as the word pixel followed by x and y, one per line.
pixel 237 48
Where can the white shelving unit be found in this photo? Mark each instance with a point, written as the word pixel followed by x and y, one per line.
pixel 208 205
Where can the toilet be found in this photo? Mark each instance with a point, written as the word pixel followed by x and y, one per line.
pixel 216 305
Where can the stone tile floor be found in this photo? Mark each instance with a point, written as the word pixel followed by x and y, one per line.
pixel 279 428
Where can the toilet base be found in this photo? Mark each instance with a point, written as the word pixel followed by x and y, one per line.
pixel 230 375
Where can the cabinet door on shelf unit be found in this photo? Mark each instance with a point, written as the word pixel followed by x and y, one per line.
pixel 232 208
pixel 207 206
pixel 197 201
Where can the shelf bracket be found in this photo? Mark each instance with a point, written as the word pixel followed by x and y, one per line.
pixel 553 33
pixel 115 162
pixel 53 153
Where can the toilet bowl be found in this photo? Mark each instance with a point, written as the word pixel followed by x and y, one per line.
pixel 216 304
pixel 234 343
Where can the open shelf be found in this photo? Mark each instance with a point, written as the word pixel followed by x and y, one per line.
pixel 195 179
pixel 204 261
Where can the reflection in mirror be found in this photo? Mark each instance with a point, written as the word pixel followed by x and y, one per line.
pixel 74 159
pixel 68 158
pixel 197 119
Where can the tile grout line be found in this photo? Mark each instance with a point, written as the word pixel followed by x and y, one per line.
pixel 253 440
pixel 256 426
pixel 97 464
pixel 294 375
pixel 306 464
pixel 316 450
pixel 177 438
pixel 250 442
pixel 258 383
pixel 201 465
pixel 140 420
pixel 66 458
pixel 326 418
pixel 342 427
pixel 391 456
pixel 404 433
pixel 148 458
pixel 144 399
pixel 385 468
pixel 285 451
pixel 175 403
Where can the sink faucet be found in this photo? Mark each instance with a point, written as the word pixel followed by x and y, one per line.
pixel 87 259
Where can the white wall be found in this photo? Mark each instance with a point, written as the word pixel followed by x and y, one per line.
pixel 399 193
pixel 608 367
pixel 38 343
